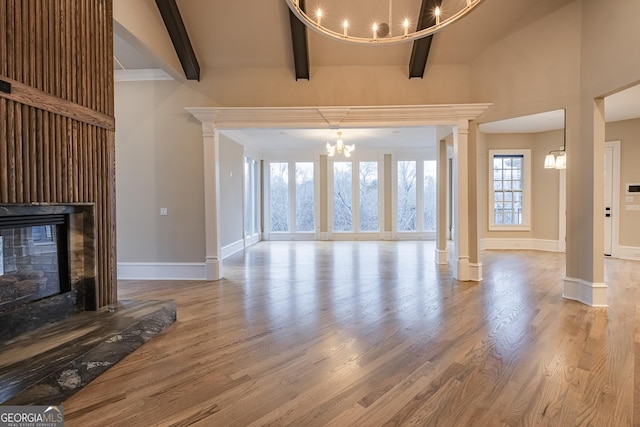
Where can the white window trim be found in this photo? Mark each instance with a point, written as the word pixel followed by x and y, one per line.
pixel 526 191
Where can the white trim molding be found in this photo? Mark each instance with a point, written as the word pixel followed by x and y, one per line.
pixel 161 271
pixel 592 294
pixel 475 272
pixel 631 253
pixel 520 244
pixel 441 257
pixel 232 248
pixel 141 75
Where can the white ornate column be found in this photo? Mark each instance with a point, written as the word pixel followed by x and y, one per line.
pixel 211 145
pixel 461 270
pixel 441 196
pixel 211 156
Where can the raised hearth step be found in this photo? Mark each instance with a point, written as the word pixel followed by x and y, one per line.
pixel 48 365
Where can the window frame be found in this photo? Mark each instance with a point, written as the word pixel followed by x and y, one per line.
pixel 526 191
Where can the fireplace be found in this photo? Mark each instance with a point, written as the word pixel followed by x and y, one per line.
pixel 47 266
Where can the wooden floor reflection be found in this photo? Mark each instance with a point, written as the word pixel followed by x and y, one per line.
pixel 375 333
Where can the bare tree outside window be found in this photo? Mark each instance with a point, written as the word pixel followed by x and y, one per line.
pixel 369 196
pixel 430 195
pixel 407 195
pixel 342 196
pixel 304 197
pixel 279 207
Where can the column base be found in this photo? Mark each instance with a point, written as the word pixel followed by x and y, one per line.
pixel 441 257
pixel 213 268
pixel 475 272
pixel 461 272
pixel 592 294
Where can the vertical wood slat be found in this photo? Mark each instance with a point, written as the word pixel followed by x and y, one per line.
pixel 63 48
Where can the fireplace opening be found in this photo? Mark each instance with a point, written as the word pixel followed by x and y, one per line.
pixel 47 264
pixel 33 258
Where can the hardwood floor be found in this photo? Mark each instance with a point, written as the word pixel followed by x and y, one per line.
pixel 376 334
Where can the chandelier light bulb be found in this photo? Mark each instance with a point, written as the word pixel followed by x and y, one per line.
pixel 385 36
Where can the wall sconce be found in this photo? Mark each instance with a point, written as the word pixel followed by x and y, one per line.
pixel 558 161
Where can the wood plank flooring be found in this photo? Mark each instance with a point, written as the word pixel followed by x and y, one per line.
pixel 376 334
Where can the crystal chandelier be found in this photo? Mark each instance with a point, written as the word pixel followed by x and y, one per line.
pixel 340 147
pixel 380 32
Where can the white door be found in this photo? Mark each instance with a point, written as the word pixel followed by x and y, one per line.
pixel 608 199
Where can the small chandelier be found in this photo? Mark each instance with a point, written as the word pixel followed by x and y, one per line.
pixel 558 161
pixel 380 32
pixel 340 147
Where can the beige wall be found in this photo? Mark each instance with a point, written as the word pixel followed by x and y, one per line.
pixel 628 133
pixel 545 183
pixel 231 191
pixel 158 164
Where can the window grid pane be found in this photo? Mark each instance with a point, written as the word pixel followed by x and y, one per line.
pixel 407 195
pixel 304 197
pixel 342 196
pixel 507 185
pixel 279 183
pixel 369 196
pixel 430 195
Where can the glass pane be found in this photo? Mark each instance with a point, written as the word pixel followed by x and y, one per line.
pixel 406 196
pixel 497 185
pixel 342 196
pixel 506 175
pixel 516 174
pixel 499 196
pixel 430 195
pixel 506 185
pixel 507 218
pixel 279 186
pixel 517 163
pixel 497 163
pixel 369 196
pixel 508 196
pixel 304 197
pixel 498 218
pixel 497 174
pixel 248 224
pixel 256 196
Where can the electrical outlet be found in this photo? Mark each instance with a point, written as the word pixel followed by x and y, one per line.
pixel 164 212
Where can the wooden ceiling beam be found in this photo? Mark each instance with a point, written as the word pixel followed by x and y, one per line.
pixel 178 33
pixel 300 45
pixel 421 47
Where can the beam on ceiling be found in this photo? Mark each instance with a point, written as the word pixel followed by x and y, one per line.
pixel 421 47
pixel 300 45
pixel 178 33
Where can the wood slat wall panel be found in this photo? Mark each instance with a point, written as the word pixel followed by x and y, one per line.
pixel 57 140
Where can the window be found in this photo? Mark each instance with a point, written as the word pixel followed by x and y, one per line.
pixel 368 196
pixel 304 197
pixel 407 196
pixel 251 198
pixel 509 192
pixel 279 206
pixel 430 195
pixel 342 196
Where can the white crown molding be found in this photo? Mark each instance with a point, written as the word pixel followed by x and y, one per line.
pixel 149 74
pixel 228 118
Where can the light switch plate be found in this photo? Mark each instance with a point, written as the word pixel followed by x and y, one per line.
pixel 164 211
pixel 633 207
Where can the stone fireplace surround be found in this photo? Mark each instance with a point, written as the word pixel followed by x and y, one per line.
pixel 81 294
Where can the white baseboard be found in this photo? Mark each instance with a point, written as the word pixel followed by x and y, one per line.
pixel 162 271
pixel 233 248
pixel 628 252
pixel 592 294
pixel 521 244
